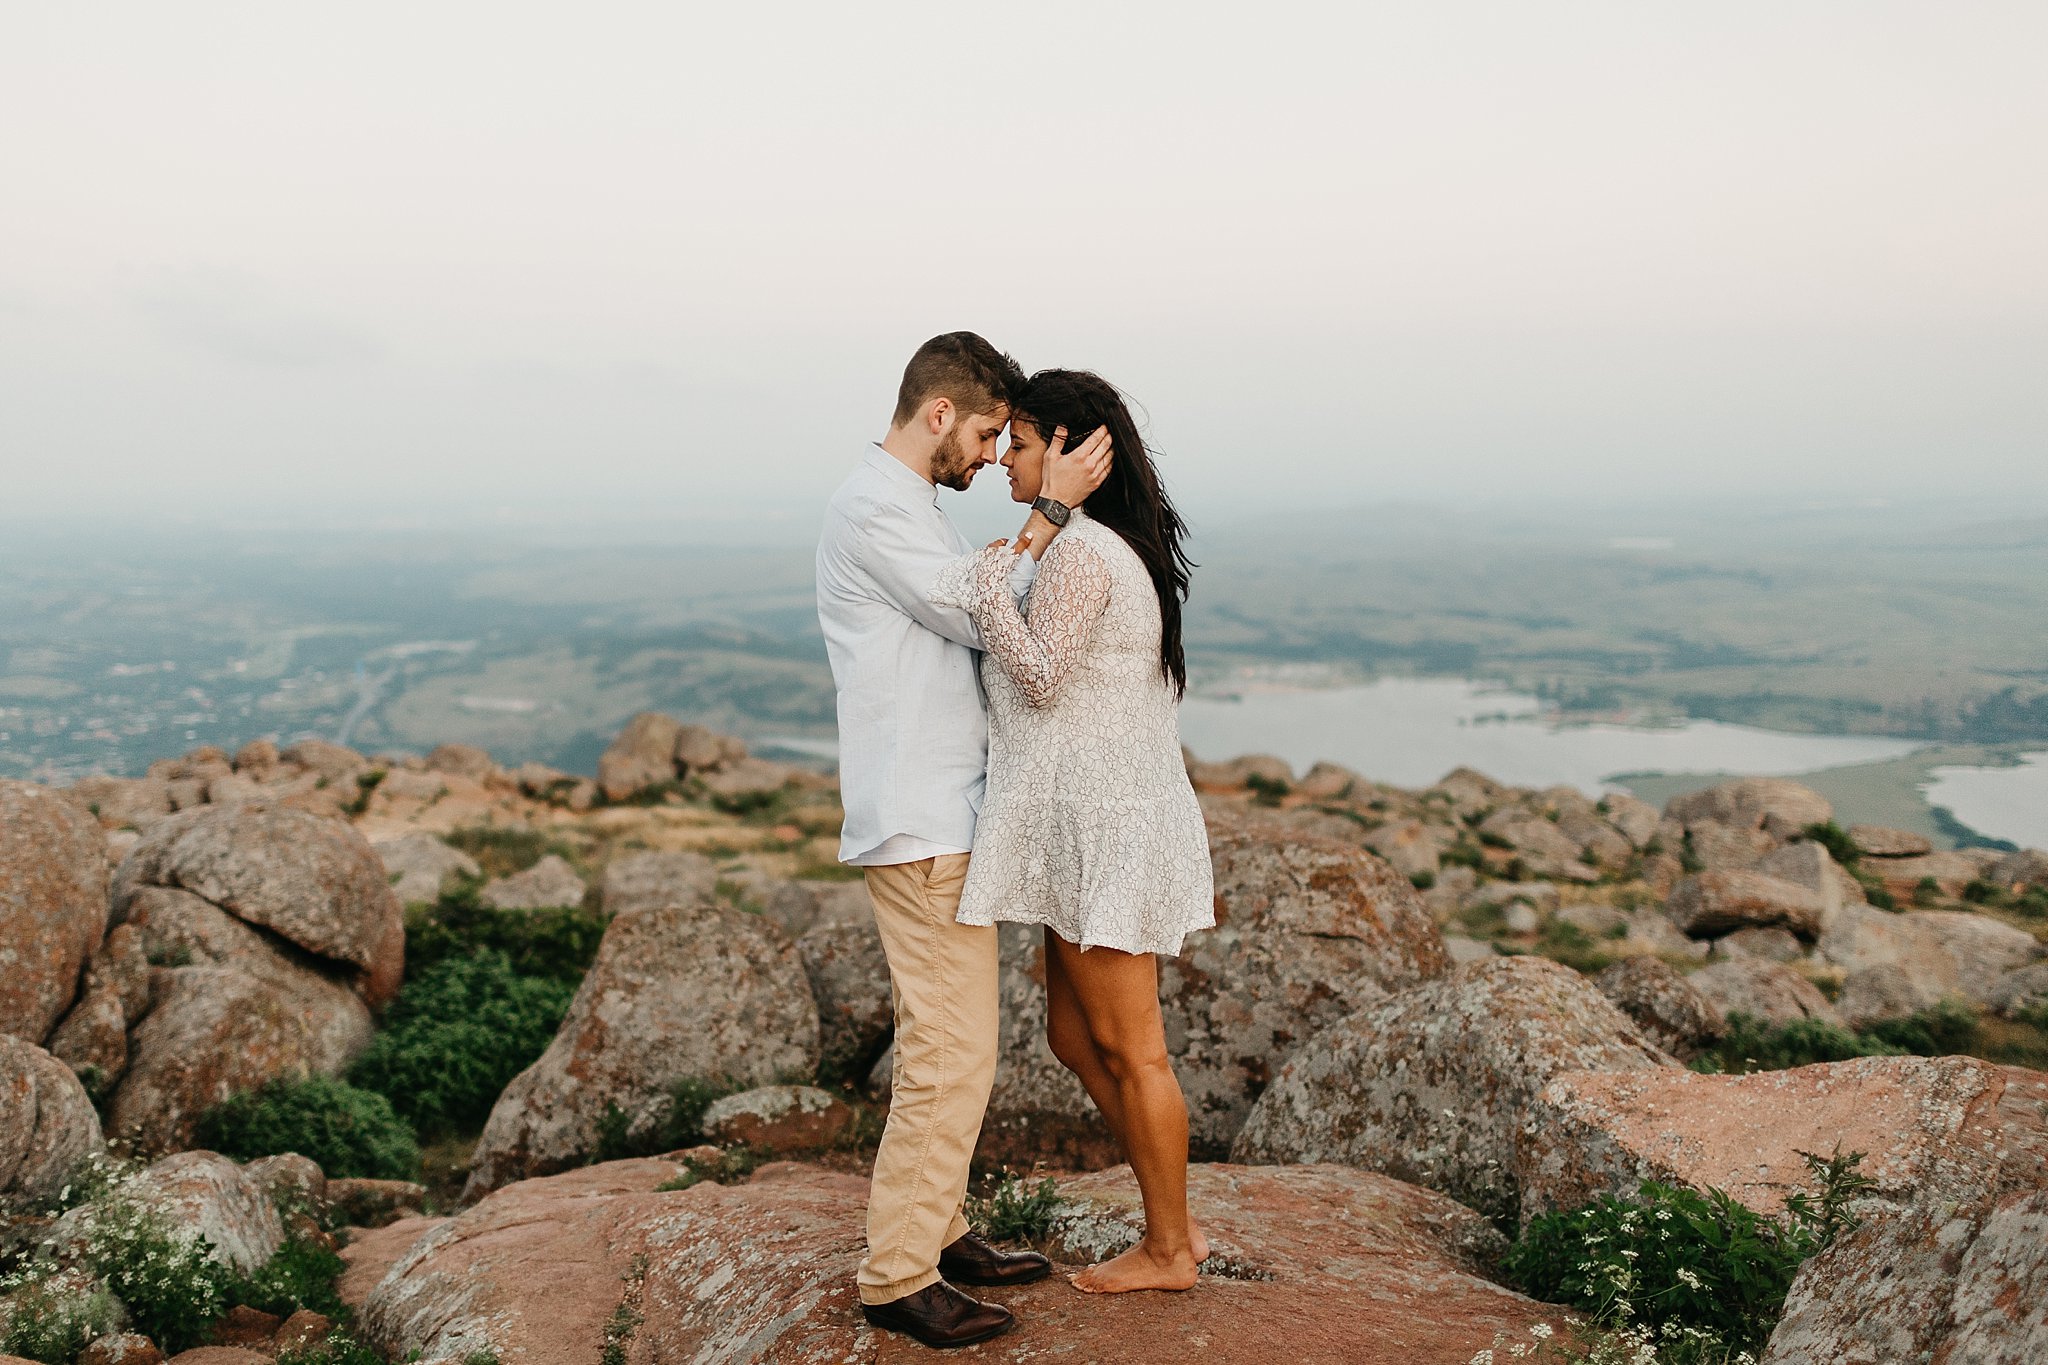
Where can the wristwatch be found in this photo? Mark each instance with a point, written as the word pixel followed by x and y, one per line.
pixel 1055 512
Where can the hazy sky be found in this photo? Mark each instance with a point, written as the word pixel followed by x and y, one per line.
pixel 437 259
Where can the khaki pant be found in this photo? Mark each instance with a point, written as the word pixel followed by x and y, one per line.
pixel 943 977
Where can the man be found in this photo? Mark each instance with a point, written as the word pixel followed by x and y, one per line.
pixel 913 747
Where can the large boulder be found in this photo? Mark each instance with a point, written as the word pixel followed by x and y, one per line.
pixel 420 867
pixel 549 882
pixel 1668 1008
pixel 1930 1129
pixel 1881 841
pixel 2020 991
pixel 1954 1284
pixel 124 802
pixel 228 1204
pixel 1431 1085
pixel 47 1122
pixel 313 881
pixel 1341 1265
pixel 213 1032
pixel 93 1039
pixel 701 991
pixel 778 1118
pixel 1951 870
pixel 1810 865
pixel 849 975
pixel 1953 1272
pixel 651 881
pixel 1717 902
pixel 1768 992
pixel 1307 931
pixel 2027 867
pixel 642 755
pixel 1778 805
pixel 53 904
pixel 1410 846
pixel 1933 953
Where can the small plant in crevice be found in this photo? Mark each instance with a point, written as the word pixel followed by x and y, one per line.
pixel 366 787
pixel 1014 1210
pixel 730 1166
pixel 680 1123
pixel 1267 791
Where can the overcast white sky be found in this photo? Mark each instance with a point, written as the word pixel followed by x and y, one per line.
pixel 438 258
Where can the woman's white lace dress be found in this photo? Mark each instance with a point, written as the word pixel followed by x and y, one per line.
pixel 1089 825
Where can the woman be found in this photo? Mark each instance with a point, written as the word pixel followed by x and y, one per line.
pixel 1090 827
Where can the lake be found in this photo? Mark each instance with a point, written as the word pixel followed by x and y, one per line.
pixel 1411 731
pixel 2006 803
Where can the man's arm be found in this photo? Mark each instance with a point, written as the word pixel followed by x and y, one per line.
pixel 900 559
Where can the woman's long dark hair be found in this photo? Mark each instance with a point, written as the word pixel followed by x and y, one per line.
pixel 1131 502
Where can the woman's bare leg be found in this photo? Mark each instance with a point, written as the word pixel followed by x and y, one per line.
pixel 1118 995
pixel 1066 1031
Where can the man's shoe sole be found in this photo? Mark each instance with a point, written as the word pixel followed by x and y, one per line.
pixel 868 1311
pixel 969 1277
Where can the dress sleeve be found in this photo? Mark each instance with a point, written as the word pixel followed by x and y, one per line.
pixel 1039 651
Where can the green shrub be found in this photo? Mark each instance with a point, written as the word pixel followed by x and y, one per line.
pixel 1836 841
pixel 730 1166
pixel 1943 1030
pixel 347 1130
pixel 559 942
pixel 1422 880
pixel 457 1035
pixel 500 852
pixel 1464 853
pixel 1926 891
pixel 47 1324
pixel 299 1274
pixel 1491 840
pixel 1704 1273
pixel 1015 1211
pixel 1267 791
pixel 173 1287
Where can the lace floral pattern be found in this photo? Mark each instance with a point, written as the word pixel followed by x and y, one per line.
pixel 1089 825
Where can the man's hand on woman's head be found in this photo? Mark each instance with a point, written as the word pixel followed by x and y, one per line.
pixel 1071 475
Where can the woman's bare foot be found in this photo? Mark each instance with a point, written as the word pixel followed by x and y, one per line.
pixel 1197 1243
pixel 1139 1268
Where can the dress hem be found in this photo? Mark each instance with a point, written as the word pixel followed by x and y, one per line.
pixel 1083 943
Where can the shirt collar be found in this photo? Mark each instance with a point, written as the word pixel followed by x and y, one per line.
pixel 903 474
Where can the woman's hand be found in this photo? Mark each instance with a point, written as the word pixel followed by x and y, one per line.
pixel 1071 475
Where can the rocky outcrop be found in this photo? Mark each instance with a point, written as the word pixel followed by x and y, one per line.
pixel 1238 773
pixel 1931 1129
pixel 93 1039
pixel 1431 1085
pixel 1342 1265
pixel 2027 867
pixel 1768 992
pixel 1664 1005
pixel 2020 991
pixel 1717 902
pixel 548 883
pixel 1307 931
pixel 312 881
pixel 699 991
pixel 1780 807
pixel 654 749
pixel 53 904
pixel 420 867
pixel 47 1122
pixel 230 1205
pixel 778 1118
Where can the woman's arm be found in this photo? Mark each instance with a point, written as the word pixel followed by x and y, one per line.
pixel 1069 597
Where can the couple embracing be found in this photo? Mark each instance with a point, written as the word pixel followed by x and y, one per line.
pixel 1009 752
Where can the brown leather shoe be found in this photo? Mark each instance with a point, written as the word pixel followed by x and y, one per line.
pixel 941 1316
pixel 973 1261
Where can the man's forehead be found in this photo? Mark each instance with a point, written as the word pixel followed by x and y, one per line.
pixel 995 417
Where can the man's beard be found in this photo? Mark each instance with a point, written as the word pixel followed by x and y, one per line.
pixel 952 466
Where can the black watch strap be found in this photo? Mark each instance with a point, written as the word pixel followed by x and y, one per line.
pixel 1055 512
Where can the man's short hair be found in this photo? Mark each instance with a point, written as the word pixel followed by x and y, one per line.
pixel 960 366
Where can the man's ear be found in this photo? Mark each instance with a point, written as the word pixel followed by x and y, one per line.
pixel 939 416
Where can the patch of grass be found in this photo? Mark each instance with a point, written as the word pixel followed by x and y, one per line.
pixel 1703 1273
pixel 458 1033
pixel 338 1349
pixel 1927 891
pixel 349 1131
pixel 1574 947
pixel 1423 880
pixel 500 851
pixel 731 1166
pixel 559 943
pixel 1015 1211
pixel 1836 841
pixel 1267 791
